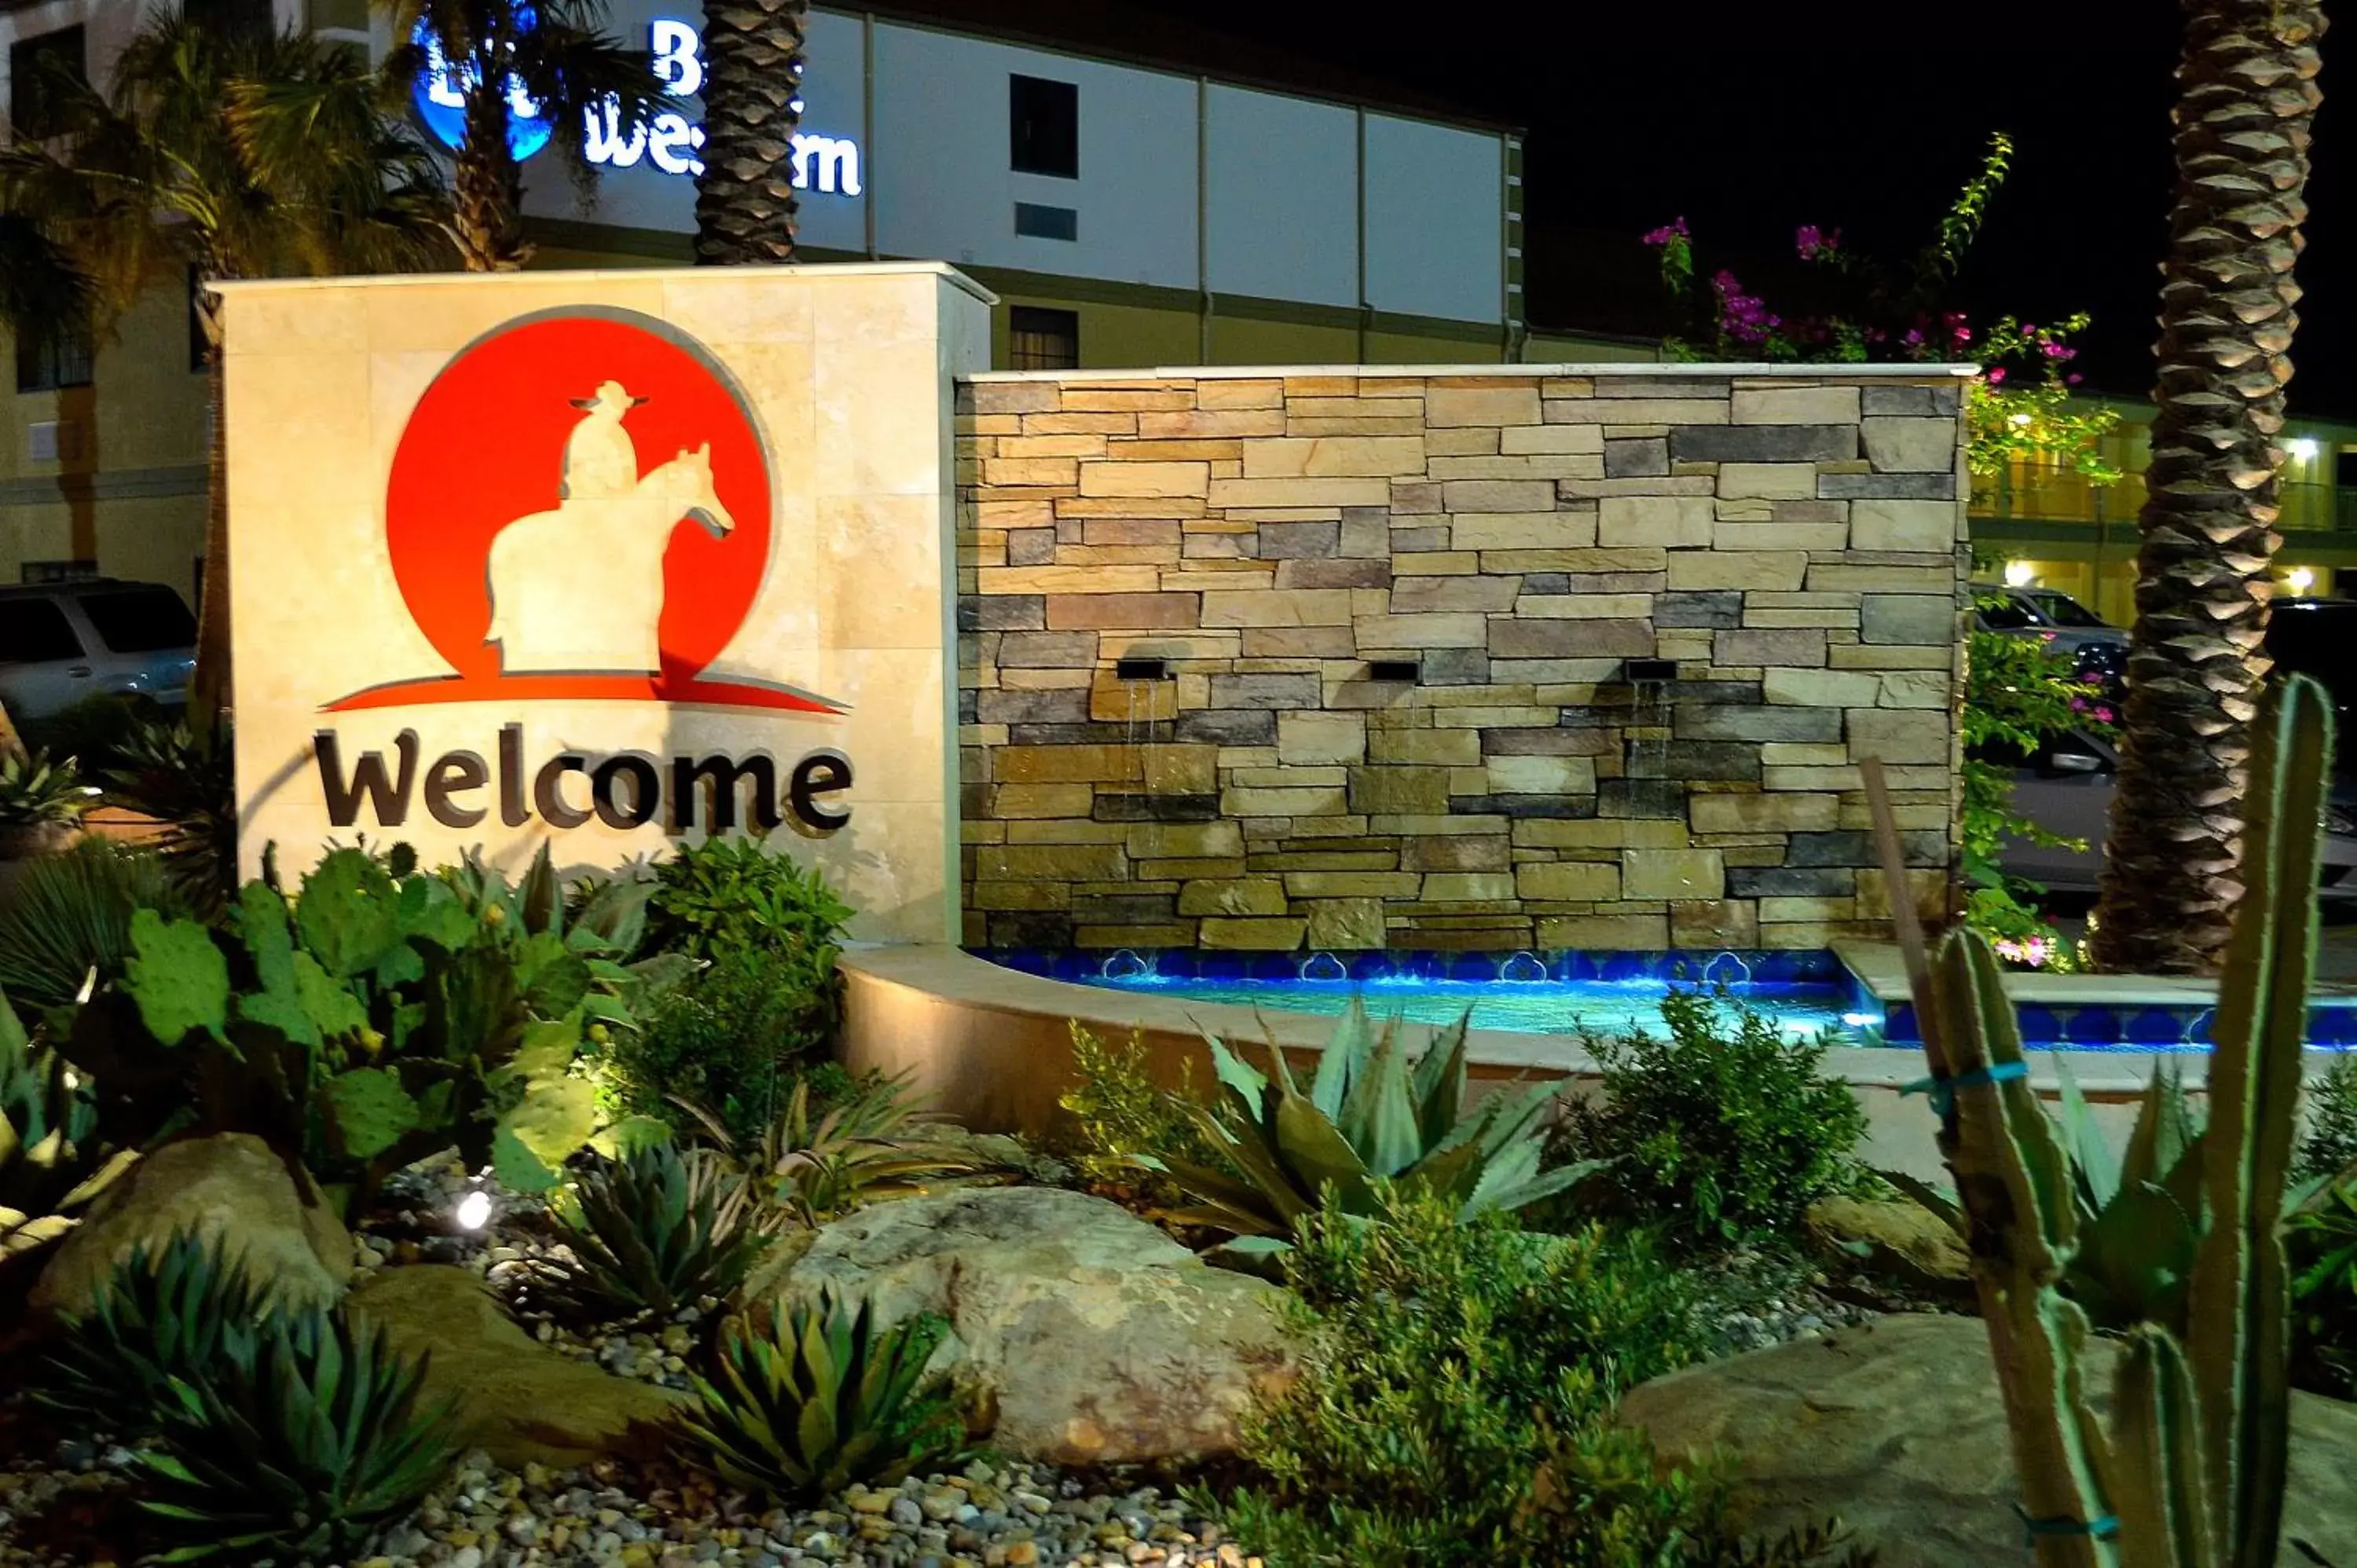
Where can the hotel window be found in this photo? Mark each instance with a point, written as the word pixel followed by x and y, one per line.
pixel 1041 339
pixel 54 360
pixel 40 71
pixel 243 19
pixel 1044 127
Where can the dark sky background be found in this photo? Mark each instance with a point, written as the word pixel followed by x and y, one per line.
pixel 1751 119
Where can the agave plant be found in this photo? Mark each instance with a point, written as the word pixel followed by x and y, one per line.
pixel 1368 1114
pixel 183 1313
pixel 819 1397
pixel 49 1165
pixel 37 792
pixel 861 1150
pixel 71 915
pixel 296 1451
pixel 185 777
pixel 658 1229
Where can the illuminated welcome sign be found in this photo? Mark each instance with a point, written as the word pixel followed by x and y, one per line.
pixel 668 141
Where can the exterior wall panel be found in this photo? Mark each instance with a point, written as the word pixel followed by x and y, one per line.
pixel 1283 209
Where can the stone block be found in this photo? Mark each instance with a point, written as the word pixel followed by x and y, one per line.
pixel 1309 739
pixel 1500 403
pixel 1284 541
pixel 1673 873
pixel 1909 618
pixel 1584 606
pixel 1030 546
pixel 1050 862
pixel 1466 888
pixel 1227 727
pixel 1663 521
pixel 1773 482
pixel 1605 933
pixel 1456 852
pixel 1639 458
pixel 1399 790
pixel 1048 649
pixel 1791 882
pixel 1402 633
pixel 1275 693
pixel 1279 606
pixel 1067 764
pixel 1020 896
pixel 1232 896
pixel 1550 440
pixel 1154 480
pixel 1909 445
pixel 1498 495
pixel 1855 848
pixel 1522 531
pixel 1412 595
pixel 1763 444
pixel 1337 574
pixel 1714 923
pixel 1113 699
pixel 1183 840
pixel 1520 639
pixel 1717 609
pixel 1802 647
pixel 1900 736
pixel 1009 612
pixel 1796 405
pixel 1769 570
pixel 1568 880
pixel 1536 774
pixel 1334 456
pixel 1228 493
pixel 1828 689
pixel 1943 399
pixel 1930 528
pixel 1347 924
pixel 1726 721
pixel 1442 748
pixel 1775 812
pixel 1256 935
pixel 1299 642
pixel 1916 689
pixel 1039 800
pixel 1895 487
pixel 1179 769
pixel 1351 884
pixel 1306 801
pixel 1121 612
pixel 1720 762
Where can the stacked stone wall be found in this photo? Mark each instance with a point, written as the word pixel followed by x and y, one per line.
pixel 1792 545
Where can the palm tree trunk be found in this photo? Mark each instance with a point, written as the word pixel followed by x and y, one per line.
pixel 752 101
pixel 210 695
pixel 2247 96
pixel 487 191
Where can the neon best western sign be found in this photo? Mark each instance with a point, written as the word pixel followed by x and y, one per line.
pixel 667 142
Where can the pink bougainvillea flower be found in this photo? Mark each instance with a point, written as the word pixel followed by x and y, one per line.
pixel 2103 716
pixel 1673 230
pixel 1997 376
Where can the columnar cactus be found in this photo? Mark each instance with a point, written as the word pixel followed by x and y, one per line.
pixel 2189 1471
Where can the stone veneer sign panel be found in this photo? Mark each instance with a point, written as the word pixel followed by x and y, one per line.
pixel 1658 615
pixel 594 559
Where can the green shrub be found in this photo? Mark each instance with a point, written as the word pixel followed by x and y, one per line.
pixel 2330 1147
pixel 732 893
pixel 51 1161
pixel 1436 1353
pixel 816 1398
pixel 72 913
pixel 185 1312
pixel 657 1229
pixel 732 1037
pixel 1721 1134
pixel 297 1452
pixel 817 1160
pixel 1120 1124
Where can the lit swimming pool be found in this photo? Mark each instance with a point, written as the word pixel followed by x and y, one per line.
pixel 1556 994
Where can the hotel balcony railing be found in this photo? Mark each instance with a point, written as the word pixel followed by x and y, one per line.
pixel 2066 497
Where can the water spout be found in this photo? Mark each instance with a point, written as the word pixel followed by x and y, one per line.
pixel 1714 973
pixel 1126 965
pixel 1524 967
pixel 1335 968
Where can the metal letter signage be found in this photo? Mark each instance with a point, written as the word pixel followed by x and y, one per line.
pixel 669 142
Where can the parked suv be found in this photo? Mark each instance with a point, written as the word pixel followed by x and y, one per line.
pixel 2098 649
pixel 63 642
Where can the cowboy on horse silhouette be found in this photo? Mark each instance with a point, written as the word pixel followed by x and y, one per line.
pixel 579 589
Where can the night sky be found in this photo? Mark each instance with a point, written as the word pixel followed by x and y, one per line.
pixel 1749 119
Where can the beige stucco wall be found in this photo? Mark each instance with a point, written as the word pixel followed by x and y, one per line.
pixel 848 372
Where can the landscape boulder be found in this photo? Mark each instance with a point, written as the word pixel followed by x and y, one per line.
pixel 1097 1338
pixel 1898 1238
pixel 229 1186
pixel 1896 1425
pixel 513 1397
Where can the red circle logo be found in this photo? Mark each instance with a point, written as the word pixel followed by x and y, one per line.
pixel 579 506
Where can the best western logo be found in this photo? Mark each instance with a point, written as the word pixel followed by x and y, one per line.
pixel 624 789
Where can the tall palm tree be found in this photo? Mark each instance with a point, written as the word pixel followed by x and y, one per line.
pixel 2247 95
pixel 555 53
pixel 226 159
pixel 745 202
